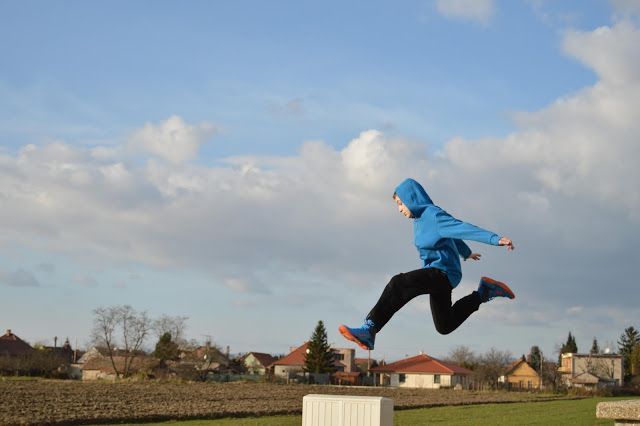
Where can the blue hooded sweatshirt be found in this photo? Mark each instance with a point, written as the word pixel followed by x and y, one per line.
pixel 438 235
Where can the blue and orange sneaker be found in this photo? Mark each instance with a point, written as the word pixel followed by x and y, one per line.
pixel 490 288
pixel 364 336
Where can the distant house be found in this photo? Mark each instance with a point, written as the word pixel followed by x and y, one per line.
pixel 64 352
pixel 11 345
pixel 257 362
pixel 344 360
pixel 206 359
pixel 291 365
pixel 94 352
pixel 591 371
pixel 364 364
pixel 76 371
pixel 102 367
pixel 422 371
pixel 521 375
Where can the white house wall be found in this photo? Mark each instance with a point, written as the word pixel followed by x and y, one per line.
pixel 287 371
pixel 424 381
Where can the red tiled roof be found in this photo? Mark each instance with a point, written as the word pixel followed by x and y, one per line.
pixel 12 345
pixel 296 357
pixel 421 364
pixel 264 359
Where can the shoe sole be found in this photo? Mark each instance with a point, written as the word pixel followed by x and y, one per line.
pixel 347 335
pixel 502 285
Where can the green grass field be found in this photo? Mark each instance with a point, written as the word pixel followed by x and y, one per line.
pixel 574 412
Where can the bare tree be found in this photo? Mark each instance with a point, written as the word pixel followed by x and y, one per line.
pixel 135 329
pixel 173 325
pixel 463 356
pixel 123 326
pixel 492 365
pixel 105 321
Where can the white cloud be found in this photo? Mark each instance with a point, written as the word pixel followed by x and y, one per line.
pixel 321 221
pixel 626 8
pixel 479 11
pixel 237 284
pixel 575 310
pixel 173 139
pixel 612 52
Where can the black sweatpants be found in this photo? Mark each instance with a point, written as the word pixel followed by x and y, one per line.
pixel 434 282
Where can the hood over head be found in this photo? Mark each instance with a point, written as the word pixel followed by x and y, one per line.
pixel 413 195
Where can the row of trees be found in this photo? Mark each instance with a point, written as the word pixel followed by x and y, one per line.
pixel 489 366
pixel 123 331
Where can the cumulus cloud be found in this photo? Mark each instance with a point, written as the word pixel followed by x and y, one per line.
pixel 321 221
pixel 626 8
pixel 173 139
pixel 479 11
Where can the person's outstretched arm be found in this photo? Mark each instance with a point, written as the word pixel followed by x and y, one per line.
pixel 450 227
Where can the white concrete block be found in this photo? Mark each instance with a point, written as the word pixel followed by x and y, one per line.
pixel 346 410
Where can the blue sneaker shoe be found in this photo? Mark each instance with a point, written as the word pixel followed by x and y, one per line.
pixel 490 288
pixel 364 336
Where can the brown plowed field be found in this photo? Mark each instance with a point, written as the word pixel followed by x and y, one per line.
pixel 71 402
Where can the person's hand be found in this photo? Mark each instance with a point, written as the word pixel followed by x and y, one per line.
pixel 474 256
pixel 505 241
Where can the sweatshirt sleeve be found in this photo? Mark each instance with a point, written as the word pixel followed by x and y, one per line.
pixel 463 249
pixel 450 227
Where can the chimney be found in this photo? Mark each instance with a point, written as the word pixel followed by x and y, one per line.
pixel 55 342
pixel 8 333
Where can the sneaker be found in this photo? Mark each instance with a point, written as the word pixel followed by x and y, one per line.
pixel 490 288
pixel 364 336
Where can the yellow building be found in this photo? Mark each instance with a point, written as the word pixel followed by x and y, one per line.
pixel 521 375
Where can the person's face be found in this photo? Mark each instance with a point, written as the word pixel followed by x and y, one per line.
pixel 402 208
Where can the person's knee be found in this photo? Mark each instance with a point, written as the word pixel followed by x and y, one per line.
pixel 443 329
pixel 396 281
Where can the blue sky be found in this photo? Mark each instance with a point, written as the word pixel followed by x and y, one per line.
pixel 232 162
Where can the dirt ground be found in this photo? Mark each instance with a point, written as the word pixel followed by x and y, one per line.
pixel 72 402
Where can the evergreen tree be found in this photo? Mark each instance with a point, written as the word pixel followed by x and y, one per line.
pixel 595 349
pixel 319 357
pixel 166 349
pixel 535 357
pixel 573 346
pixel 628 340
pixel 569 346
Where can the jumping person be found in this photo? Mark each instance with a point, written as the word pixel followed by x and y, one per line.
pixel 439 239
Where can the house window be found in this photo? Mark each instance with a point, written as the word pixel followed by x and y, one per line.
pixel 402 378
pixel 436 378
pixel 529 384
pixel 338 357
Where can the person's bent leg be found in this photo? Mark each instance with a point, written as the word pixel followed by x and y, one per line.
pixel 446 317
pixel 400 290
